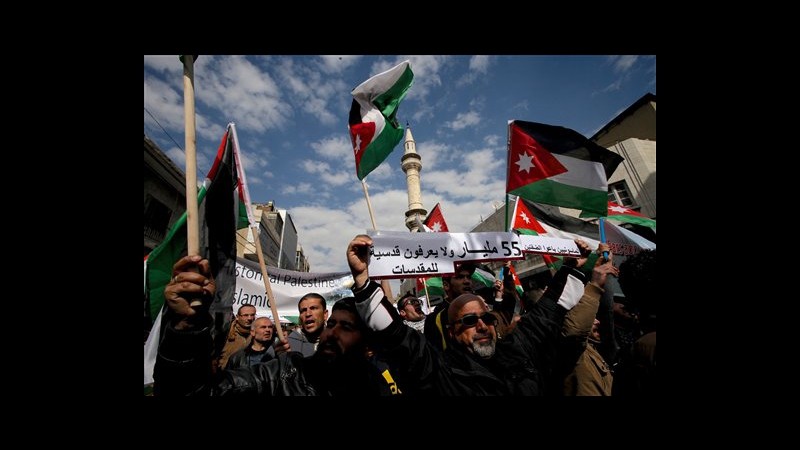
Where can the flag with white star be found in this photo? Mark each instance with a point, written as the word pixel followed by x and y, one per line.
pixel 374 131
pixel 558 166
pixel 624 214
pixel 435 220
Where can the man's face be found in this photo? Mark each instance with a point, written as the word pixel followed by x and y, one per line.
pixel 312 315
pixel 412 310
pixel 460 283
pixel 263 330
pixel 341 336
pixel 246 316
pixel 479 338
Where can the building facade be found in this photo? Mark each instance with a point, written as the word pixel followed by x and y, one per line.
pixel 632 135
pixel 164 195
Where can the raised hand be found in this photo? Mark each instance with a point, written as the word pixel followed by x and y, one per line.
pixel 191 280
pixel 358 258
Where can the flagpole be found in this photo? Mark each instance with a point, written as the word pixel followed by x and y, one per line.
pixel 387 289
pixel 508 165
pixel 427 296
pixel 270 297
pixel 192 213
pixel 369 205
pixel 602 226
pixel 245 191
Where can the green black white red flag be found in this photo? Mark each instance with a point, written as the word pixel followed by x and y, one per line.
pixel 374 131
pixel 558 166
pixel 624 214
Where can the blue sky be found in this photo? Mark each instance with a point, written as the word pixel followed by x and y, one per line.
pixel 291 117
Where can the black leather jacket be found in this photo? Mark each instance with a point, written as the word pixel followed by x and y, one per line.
pixel 183 368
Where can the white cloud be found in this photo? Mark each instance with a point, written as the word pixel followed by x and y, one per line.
pixel 324 172
pixel 300 188
pixel 335 147
pixel 337 63
pixel 242 92
pixel 493 140
pixel 521 105
pixel 253 165
pixel 312 91
pixel 623 62
pixel 464 120
pixel 164 63
pixel 478 65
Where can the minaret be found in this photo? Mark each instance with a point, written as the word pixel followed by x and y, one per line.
pixel 412 164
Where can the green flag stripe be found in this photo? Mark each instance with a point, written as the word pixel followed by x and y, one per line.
pixel 379 149
pixel 551 192
pixel 388 101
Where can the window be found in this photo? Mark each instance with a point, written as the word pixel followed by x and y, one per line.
pixel 156 219
pixel 619 194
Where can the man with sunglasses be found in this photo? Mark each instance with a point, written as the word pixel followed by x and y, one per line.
pixel 475 362
pixel 410 309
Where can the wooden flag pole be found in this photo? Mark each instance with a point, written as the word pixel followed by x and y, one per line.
pixel 369 205
pixel 192 214
pixel 387 289
pixel 427 296
pixel 193 224
pixel 270 297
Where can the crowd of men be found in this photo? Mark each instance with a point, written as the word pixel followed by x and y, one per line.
pixel 487 342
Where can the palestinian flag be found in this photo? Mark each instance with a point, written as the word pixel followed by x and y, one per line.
pixel 374 130
pixel 435 220
pixel 482 278
pixel 217 195
pixel 558 166
pixel 434 284
pixel 623 214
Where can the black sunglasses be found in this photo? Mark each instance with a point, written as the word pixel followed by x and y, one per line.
pixel 470 320
pixel 413 301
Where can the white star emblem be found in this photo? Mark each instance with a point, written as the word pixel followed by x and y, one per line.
pixel 619 209
pixel 437 227
pixel 525 162
pixel 358 144
pixel 525 217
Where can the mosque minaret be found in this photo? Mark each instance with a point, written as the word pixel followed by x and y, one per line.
pixel 412 165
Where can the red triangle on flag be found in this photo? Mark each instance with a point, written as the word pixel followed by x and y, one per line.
pixel 615 210
pixel 529 161
pixel 435 220
pixel 361 134
pixel 524 220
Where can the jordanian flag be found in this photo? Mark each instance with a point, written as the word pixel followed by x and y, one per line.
pixel 435 220
pixel 374 130
pixel 525 223
pixel 558 166
pixel 623 214
pixel 517 283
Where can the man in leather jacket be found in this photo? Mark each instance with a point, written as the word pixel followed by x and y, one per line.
pixel 338 367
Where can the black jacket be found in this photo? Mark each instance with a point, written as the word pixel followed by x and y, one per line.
pixel 183 368
pixel 522 364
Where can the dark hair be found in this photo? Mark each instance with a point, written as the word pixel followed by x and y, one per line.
pixel 401 302
pixel 239 311
pixel 468 266
pixel 313 295
pixel 349 304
